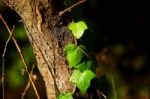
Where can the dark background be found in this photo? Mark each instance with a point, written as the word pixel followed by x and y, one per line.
pixel 117 30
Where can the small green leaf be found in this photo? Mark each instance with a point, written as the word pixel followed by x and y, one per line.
pixel 74 54
pixel 70 47
pixel 75 76
pixel 78 28
pixel 84 81
pixel 65 96
pixel 86 65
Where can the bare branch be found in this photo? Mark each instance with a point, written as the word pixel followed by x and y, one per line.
pixel 21 55
pixel 29 83
pixel 3 63
pixel 71 7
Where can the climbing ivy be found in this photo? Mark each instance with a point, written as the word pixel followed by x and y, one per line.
pixel 79 60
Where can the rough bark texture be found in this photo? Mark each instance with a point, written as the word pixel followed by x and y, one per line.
pixel 48 37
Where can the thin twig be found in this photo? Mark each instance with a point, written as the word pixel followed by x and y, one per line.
pixel 25 90
pixel 3 63
pixel 21 55
pixel 28 84
pixel 72 6
pixel 100 93
pixel 83 52
pixel 5 47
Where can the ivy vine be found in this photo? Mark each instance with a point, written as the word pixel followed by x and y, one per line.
pixel 79 60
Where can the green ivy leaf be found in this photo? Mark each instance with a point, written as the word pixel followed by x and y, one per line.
pixel 78 28
pixel 84 81
pixel 74 54
pixel 65 96
pixel 70 47
pixel 86 65
pixel 75 76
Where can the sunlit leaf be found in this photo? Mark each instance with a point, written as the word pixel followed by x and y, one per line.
pixel 78 28
pixel 84 81
pixel 75 76
pixel 86 65
pixel 70 47
pixel 74 54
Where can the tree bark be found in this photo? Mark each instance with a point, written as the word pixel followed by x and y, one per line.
pixel 48 36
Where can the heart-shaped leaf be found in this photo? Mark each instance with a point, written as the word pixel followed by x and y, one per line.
pixel 78 28
pixel 74 54
pixel 82 80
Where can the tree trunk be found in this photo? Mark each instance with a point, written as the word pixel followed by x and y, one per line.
pixel 48 36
